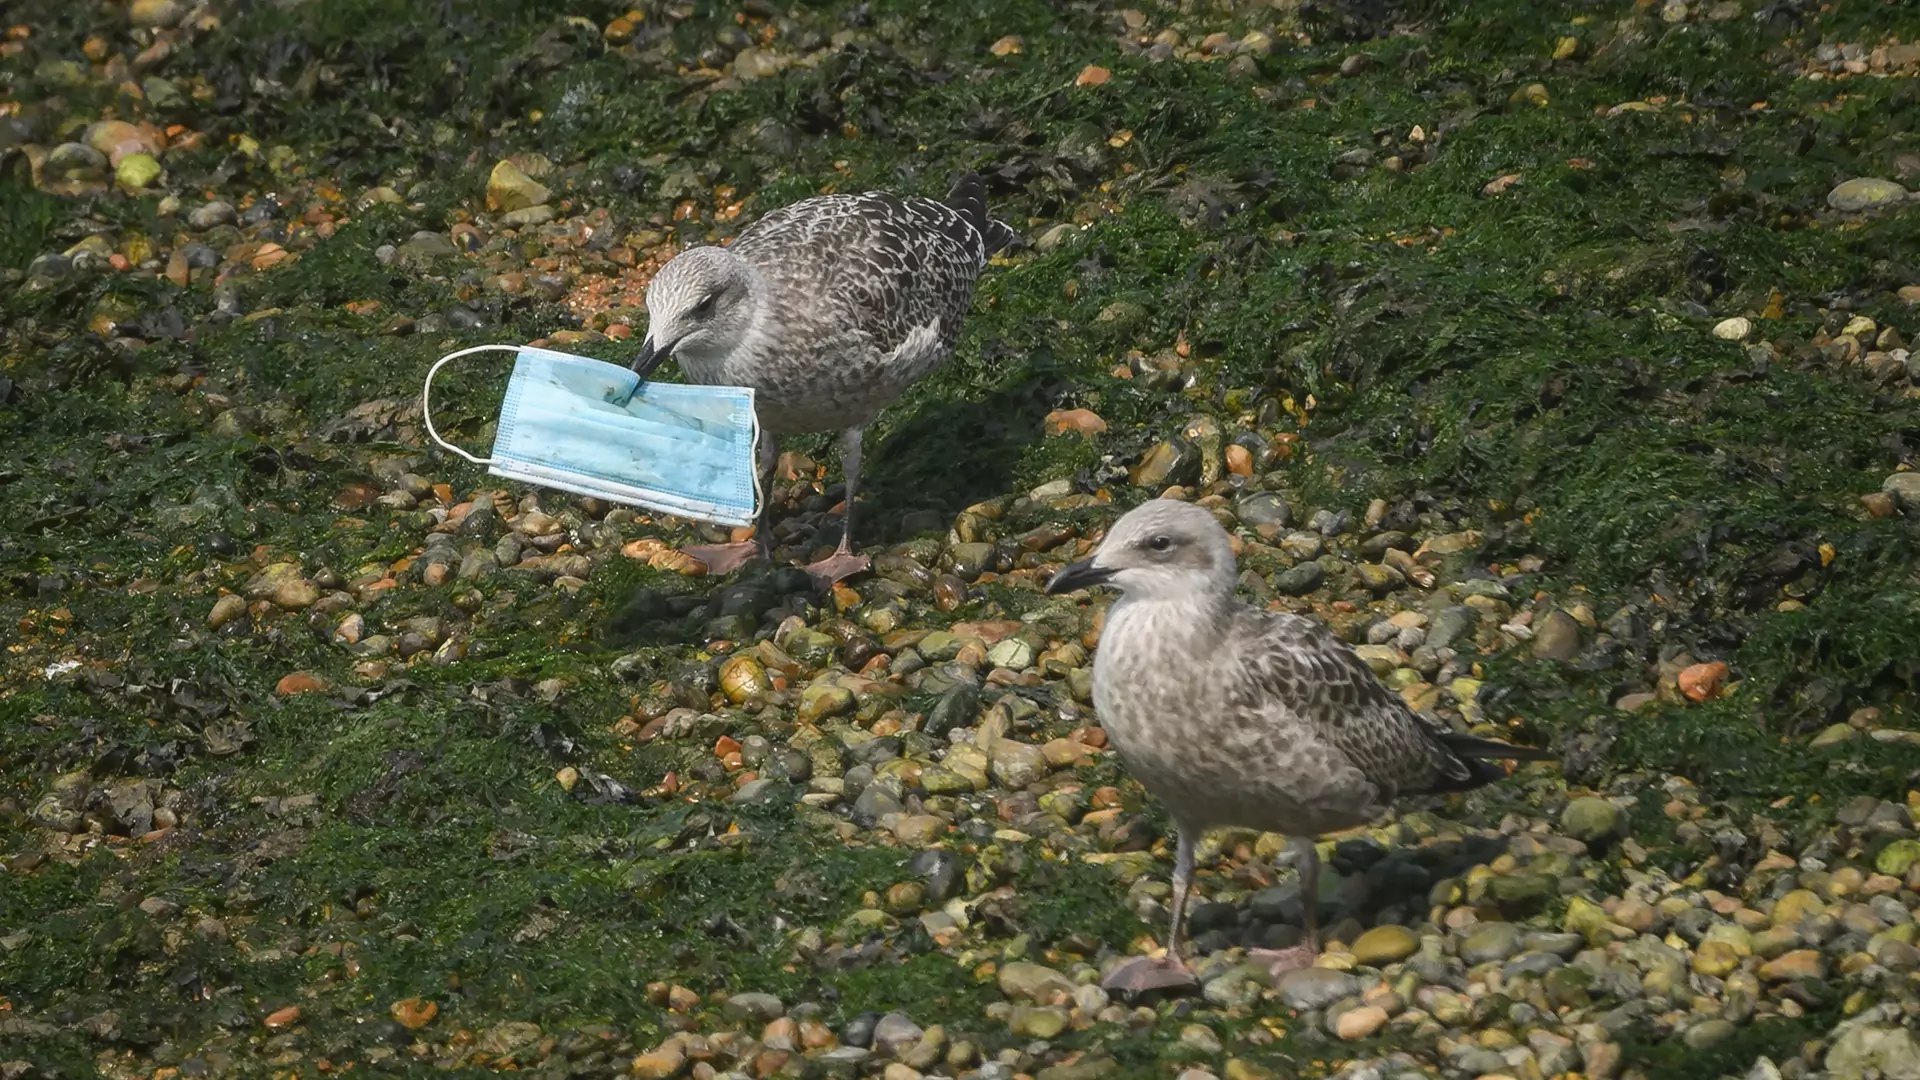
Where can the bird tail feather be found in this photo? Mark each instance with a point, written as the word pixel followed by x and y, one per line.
pixel 969 197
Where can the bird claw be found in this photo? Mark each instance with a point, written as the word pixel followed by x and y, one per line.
pixel 724 558
pixel 1280 961
pixel 835 567
pixel 1144 974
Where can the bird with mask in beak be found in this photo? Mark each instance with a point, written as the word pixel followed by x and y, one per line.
pixel 829 308
pixel 1234 716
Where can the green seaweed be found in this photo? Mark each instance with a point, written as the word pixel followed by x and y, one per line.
pixel 1536 361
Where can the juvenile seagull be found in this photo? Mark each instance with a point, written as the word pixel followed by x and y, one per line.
pixel 1234 716
pixel 829 308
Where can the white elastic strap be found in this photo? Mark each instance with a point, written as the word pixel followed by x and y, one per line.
pixel 759 497
pixel 426 396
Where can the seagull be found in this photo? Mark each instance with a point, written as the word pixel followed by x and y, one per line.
pixel 1235 716
pixel 829 308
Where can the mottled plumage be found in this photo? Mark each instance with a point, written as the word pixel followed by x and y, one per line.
pixel 829 307
pixel 1234 716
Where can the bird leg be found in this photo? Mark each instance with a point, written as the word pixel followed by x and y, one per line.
pixel 1145 973
pixel 726 558
pixel 843 562
pixel 1280 961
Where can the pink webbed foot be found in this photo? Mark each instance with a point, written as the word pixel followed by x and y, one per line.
pixel 1144 974
pixel 1280 961
pixel 724 558
pixel 837 567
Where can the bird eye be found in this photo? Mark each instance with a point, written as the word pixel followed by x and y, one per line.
pixel 705 307
pixel 1160 543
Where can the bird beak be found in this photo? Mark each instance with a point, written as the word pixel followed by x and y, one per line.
pixel 650 357
pixel 1081 575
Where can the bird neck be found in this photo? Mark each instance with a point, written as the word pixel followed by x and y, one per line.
pixel 1197 618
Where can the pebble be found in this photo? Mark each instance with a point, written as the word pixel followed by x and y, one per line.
pixel 660 1063
pixel 1703 682
pixel 1591 819
pixel 1904 488
pixel 284 586
pixel 893 1033
pixel 1017 764
pixel 1795 965
pixel 1865 193
pixel 137 171
pixel 1361 1023
pixel 1200 1037
pixel 1315 988
pixel 1175 461
pixel 1874 1050
pixel 225 610
pixel 1898 858
pixel 1037 1022
pixel 1556 637
pixel 422 248
pixel 1385 945
pixel 155 13
pixel 1737 328
pixel 211 215
pixel 824 701
pixel 1035 982
pixel 75 163
pixel 753 1006
pixel 1011 653
pixel 1082 421
pixel 1488 942
pixel 509 189
pixel 1299 580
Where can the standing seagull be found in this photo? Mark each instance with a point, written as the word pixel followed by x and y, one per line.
pixel 829 308
pixel 1234 716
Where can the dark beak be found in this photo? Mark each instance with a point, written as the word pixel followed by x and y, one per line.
pixel 650 357
pixel 1080 575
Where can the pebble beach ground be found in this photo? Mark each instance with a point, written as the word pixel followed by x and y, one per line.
pixel 1556 357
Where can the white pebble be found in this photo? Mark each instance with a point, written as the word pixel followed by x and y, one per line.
pixel 1734 329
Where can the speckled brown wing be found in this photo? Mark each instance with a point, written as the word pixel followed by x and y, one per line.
pixel 872 268
pixel 1298 664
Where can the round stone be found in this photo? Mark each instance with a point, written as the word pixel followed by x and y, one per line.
pixel 1035 982
pixel 1360 1023
pixel 1897 858
pixel 1709 1033
pixel 1299 580
pixel 1590 819
pixel 1489 942
pixel 75 161
pixel 753 1006
pixel 1263 508
pixel 1384 945
pixel 1011 653
pixel 1865 193
pixel 1904 487
pixel 137 171
pixel 1315 987
pixel 1734 329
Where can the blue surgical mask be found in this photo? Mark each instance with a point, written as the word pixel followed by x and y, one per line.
pixel 598 429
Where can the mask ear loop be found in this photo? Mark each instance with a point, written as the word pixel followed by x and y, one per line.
pixel 426 396
pixel 759 496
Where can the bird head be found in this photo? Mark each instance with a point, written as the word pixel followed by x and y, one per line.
pixel 699 307
pixel 1160 550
